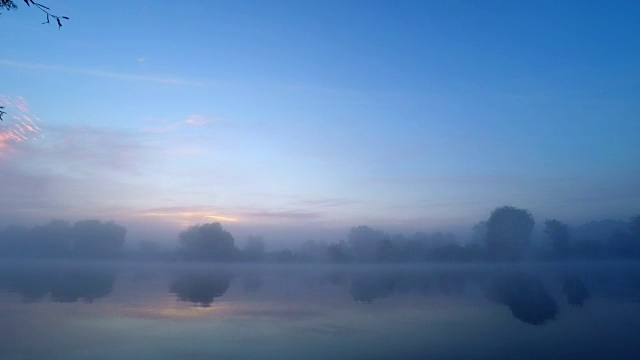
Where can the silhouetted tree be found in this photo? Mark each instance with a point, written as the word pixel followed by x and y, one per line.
pixel 589 249
pixel 452 252
pixel 285 256
pixel 558 234
pixel 14 241
pixel 52 239
pixel 254 248
pixel 387 252
pixel 413 248
pixel 338 253
pixel 479 232
pixel 600 231
pixel 7 5
pixel 314 251
pixel 508 233
pixel 207 242
pixel 623 244
pixel 94 239
pixel 364 242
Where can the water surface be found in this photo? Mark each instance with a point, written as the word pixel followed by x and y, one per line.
pixel 179 311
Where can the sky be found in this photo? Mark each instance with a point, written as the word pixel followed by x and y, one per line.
pixel 297 120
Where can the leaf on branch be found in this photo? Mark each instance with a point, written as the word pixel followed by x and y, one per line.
pixel 27 2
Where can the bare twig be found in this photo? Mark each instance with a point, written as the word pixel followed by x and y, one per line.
pixel 2 113
pixel 46 11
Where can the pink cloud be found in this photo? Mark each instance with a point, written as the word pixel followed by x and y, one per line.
pixel 19 126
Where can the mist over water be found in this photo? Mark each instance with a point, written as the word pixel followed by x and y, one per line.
pixel 72 310
pixel 319 180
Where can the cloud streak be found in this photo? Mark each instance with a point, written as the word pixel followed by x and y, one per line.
pixel 156 79
pixel 188 215
pixel 20 126
pixel 194 120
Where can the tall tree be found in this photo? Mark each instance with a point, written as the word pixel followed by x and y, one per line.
pixel 94 239
pixel 364 242
pixel 558 234
pixel 207 242
pixel 508 233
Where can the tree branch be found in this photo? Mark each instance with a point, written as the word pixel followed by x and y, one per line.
pixel 46 10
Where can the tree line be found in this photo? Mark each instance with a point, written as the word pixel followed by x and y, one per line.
pixel 506 236
pixel 59 239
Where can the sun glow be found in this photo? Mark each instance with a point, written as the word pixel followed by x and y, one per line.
pixel 178 310
pixel 190 216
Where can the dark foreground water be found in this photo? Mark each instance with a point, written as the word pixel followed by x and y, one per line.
pixel 144 311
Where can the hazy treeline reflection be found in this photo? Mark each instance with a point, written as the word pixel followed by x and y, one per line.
pixel 532 297
pixel 59 283
pixel 202 287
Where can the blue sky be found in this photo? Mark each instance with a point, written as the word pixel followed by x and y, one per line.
pixel 299 119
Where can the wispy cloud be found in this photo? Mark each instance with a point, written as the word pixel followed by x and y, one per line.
pixel 194 120
pixel 328 203
pixel 284 215
pixel 21 124
pixel 184 216
pixel 88 150
pixel 351 95
pixel 158 79
pixel 188 215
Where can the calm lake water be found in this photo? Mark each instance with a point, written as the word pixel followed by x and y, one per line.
pixel 147 311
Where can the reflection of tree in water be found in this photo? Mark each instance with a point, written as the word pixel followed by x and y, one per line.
pixel 407 282
pixel 526 297
pixel 338 278
pixel 82 284
pixel 31 284
pixel 252 281
pixel 576 291
pixel 200 288
pixel 368 287
pixel 452 283
pixel 64 285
